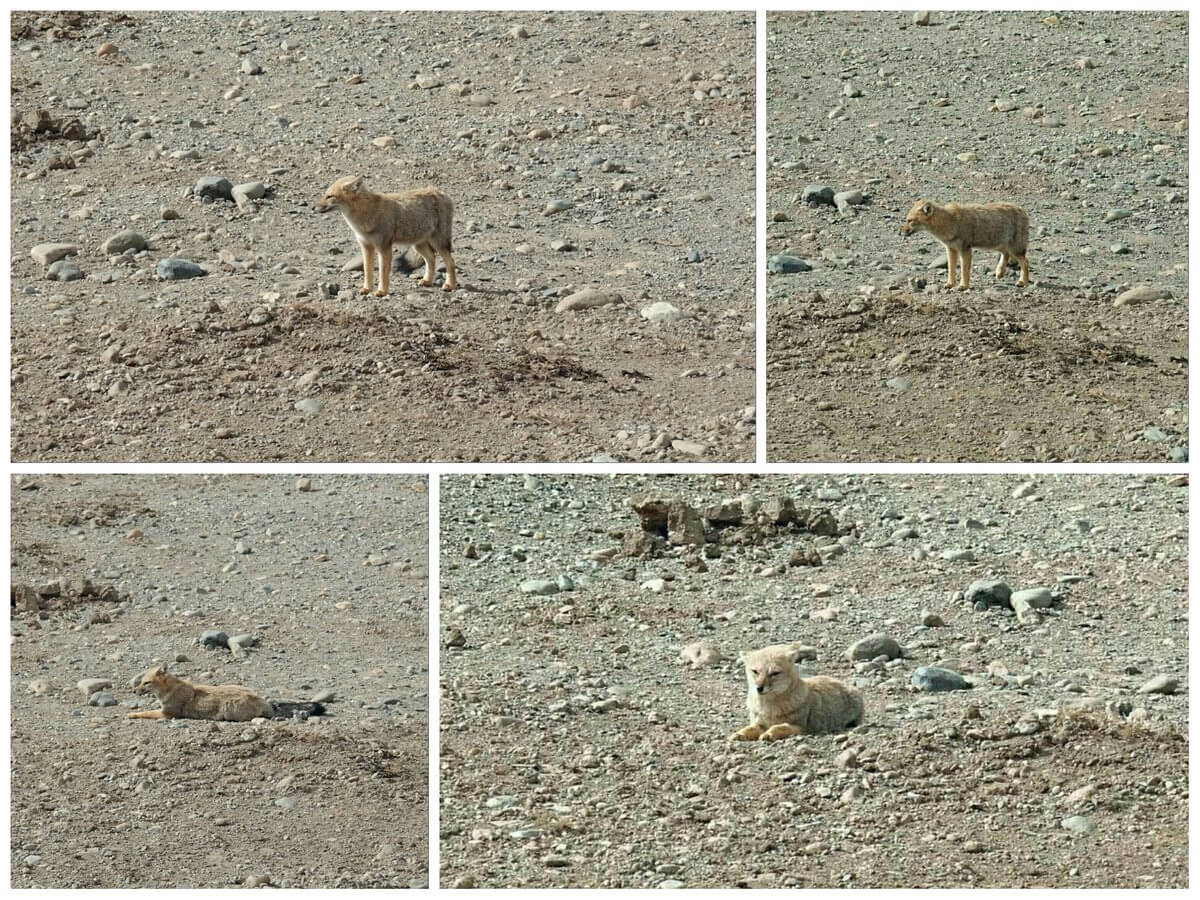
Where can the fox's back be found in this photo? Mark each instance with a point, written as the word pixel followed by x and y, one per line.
pixel 230 702
pixel 992 225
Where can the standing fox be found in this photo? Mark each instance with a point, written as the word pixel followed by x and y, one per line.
pixel 422 218
pixel 989 226
pixel 224 702
pixel 782 703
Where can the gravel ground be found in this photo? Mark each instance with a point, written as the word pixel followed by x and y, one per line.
pixel 1081 118
pixel 332 581
pixel 607 151
pixel 578 750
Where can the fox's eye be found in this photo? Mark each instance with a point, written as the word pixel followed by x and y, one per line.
pixel 754 671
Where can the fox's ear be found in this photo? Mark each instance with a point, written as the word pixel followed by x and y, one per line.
pixel 357 184
pixel 927 209
pixel 796 655
pixel 162 668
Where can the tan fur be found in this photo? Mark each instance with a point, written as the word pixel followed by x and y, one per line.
pixel 422 218
pixel 961 227
pixel 781 703
pixel 183 700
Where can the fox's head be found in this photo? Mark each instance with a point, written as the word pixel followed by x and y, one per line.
pixel 339 193
pixel 918 217
pixel 771 670
pixel 152 677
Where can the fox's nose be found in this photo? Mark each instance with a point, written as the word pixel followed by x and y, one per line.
pixel 762 688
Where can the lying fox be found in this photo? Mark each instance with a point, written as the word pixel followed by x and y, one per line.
pixel 782 703
pixel 224 702
pixel 422 218
pixel 989 226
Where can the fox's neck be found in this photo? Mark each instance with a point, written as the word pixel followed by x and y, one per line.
pixel 168 684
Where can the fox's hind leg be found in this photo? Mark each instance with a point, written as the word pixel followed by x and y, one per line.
pixel 451 272
pixel 1024 279
pixel 780 731
pixel 749 733
pixel 426 251
pixel 1002 264
pixel 368 255
pixel 965 263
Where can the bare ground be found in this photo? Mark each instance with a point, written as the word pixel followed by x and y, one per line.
pixel 333 582
pixel 645 129
pixel 869 358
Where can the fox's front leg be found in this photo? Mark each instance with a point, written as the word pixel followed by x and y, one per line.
pixel 368 255
pixel 1002 265
pixel 965 263
pixel 148 714
pixel 385 271
pixel 780 731
pixel 749 733
pixel 951 266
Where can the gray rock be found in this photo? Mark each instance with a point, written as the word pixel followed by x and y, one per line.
pixel 878 644
pixel 123 241
pixel 1079 825
pixel 102 698
pixel 1038 598
pixel 565 582
pixel 991 592
pixel 1160 684
pixel 817 195
pixel 1115 215
pixel 250 190
pixel 173 269
pixel 89 686
pixel 843 200
pixel 786 264
pixel 243 640
pixel 935 680
pixel 588 298
pixel 213 638
pixel 45 254
pixel 539 587
pixel 64 270
pixel 325 696
pixel 1143 293
pixel 214 187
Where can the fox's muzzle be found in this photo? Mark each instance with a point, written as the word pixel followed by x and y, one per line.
pixel 324 207
pixel 906 229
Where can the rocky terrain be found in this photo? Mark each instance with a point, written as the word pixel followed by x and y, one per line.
pixel 1082 119
pixel 590 682
pixel 175 297
pixel 319 587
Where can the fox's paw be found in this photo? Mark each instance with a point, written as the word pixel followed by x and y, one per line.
pixel 381 293
pixel 448 288
pixel 426 282
pixel 1022 283
pixel 749 733
pixel 364 291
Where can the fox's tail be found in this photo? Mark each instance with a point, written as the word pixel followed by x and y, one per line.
pixel 445 224
pixel 285 709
